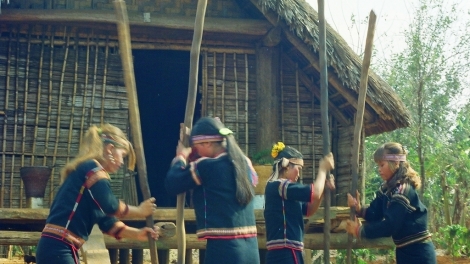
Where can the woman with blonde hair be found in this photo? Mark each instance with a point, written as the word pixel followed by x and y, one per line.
pixel 85 198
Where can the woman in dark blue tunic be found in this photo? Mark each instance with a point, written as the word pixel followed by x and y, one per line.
pixel 222 180
pixel 396 211
pixel 288 201
pixel 85 198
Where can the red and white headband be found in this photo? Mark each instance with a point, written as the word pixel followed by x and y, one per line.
pixel 394 157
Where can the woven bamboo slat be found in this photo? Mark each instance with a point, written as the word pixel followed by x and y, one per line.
pixel 4 135
pixel 53 93
pixel 226 93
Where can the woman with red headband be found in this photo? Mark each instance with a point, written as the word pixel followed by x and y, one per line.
pixel 288 201
pixel 222 180
pixel 396 210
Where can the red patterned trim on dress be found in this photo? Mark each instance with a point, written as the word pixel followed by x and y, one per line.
pixel 116 230
pixel 194 174
pixel 95 175
pixel 193 167
pixel 227 233
pixel 411 239
pixel 61 233
pixel 284 183
pixel 284 243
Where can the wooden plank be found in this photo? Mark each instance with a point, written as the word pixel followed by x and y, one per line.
pixel 26 215
pixel 311 241
pixel 255 27
pixel 267 92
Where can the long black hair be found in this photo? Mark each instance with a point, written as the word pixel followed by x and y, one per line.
pixel 213 126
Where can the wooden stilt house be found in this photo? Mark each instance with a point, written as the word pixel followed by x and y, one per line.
pixel 60 72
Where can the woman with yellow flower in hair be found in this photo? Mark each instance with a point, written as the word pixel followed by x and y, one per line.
pixel 222 180
pixel 287 201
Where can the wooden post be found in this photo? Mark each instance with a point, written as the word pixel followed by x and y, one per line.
pixel 124 256
pixel 325 125
pixel 267 96
pixel 113 255
pixel 134 115
pixel 188 119
pixel 359 118
pixel 137 256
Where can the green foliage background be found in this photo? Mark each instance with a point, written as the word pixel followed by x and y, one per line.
pixel 430 76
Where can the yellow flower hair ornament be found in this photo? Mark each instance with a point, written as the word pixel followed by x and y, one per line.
pixel 278 147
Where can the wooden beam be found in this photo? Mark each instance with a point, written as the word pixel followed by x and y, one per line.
pixel 26 215
pixel 311 241
pixel 272 38
pixel 333 96
pixel 341 106
pixel 306 51
pixel 255 27
pixel 210 46
pixel 267 96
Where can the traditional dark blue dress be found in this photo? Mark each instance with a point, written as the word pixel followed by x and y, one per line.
pixel 400 214
pixel 230 228
pixel 286 203
pixel 83 200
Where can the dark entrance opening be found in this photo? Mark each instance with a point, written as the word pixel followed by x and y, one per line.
pixel 162 86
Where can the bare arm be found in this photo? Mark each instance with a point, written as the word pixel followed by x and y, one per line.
pixel 139 234
pixel 145 209
pixel 326 164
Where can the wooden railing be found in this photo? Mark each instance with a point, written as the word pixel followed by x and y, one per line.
pixel 36 217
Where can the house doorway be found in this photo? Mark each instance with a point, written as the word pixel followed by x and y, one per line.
pixel 162 86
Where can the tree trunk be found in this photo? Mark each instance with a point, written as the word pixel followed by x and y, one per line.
pixel 460 203
pixel 445 191
pixel 420 138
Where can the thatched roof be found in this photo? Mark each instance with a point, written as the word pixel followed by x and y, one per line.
pixel 302 20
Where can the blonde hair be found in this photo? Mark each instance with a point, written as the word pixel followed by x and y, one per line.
pixel 93 143
pixel 403 171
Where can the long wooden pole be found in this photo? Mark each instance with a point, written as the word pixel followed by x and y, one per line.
pixel 125 50
pixel 188 118
pixel 359 118
pixel 325 124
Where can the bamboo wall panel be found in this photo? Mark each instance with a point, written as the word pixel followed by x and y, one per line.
pixel 229 92
pixel 344 168
pixel 301 128
pixel 50 95
pixel 300 120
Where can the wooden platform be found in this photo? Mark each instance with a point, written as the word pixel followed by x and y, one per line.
pixel 14 222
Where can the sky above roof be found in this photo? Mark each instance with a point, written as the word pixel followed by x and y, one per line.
pixel 350 19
